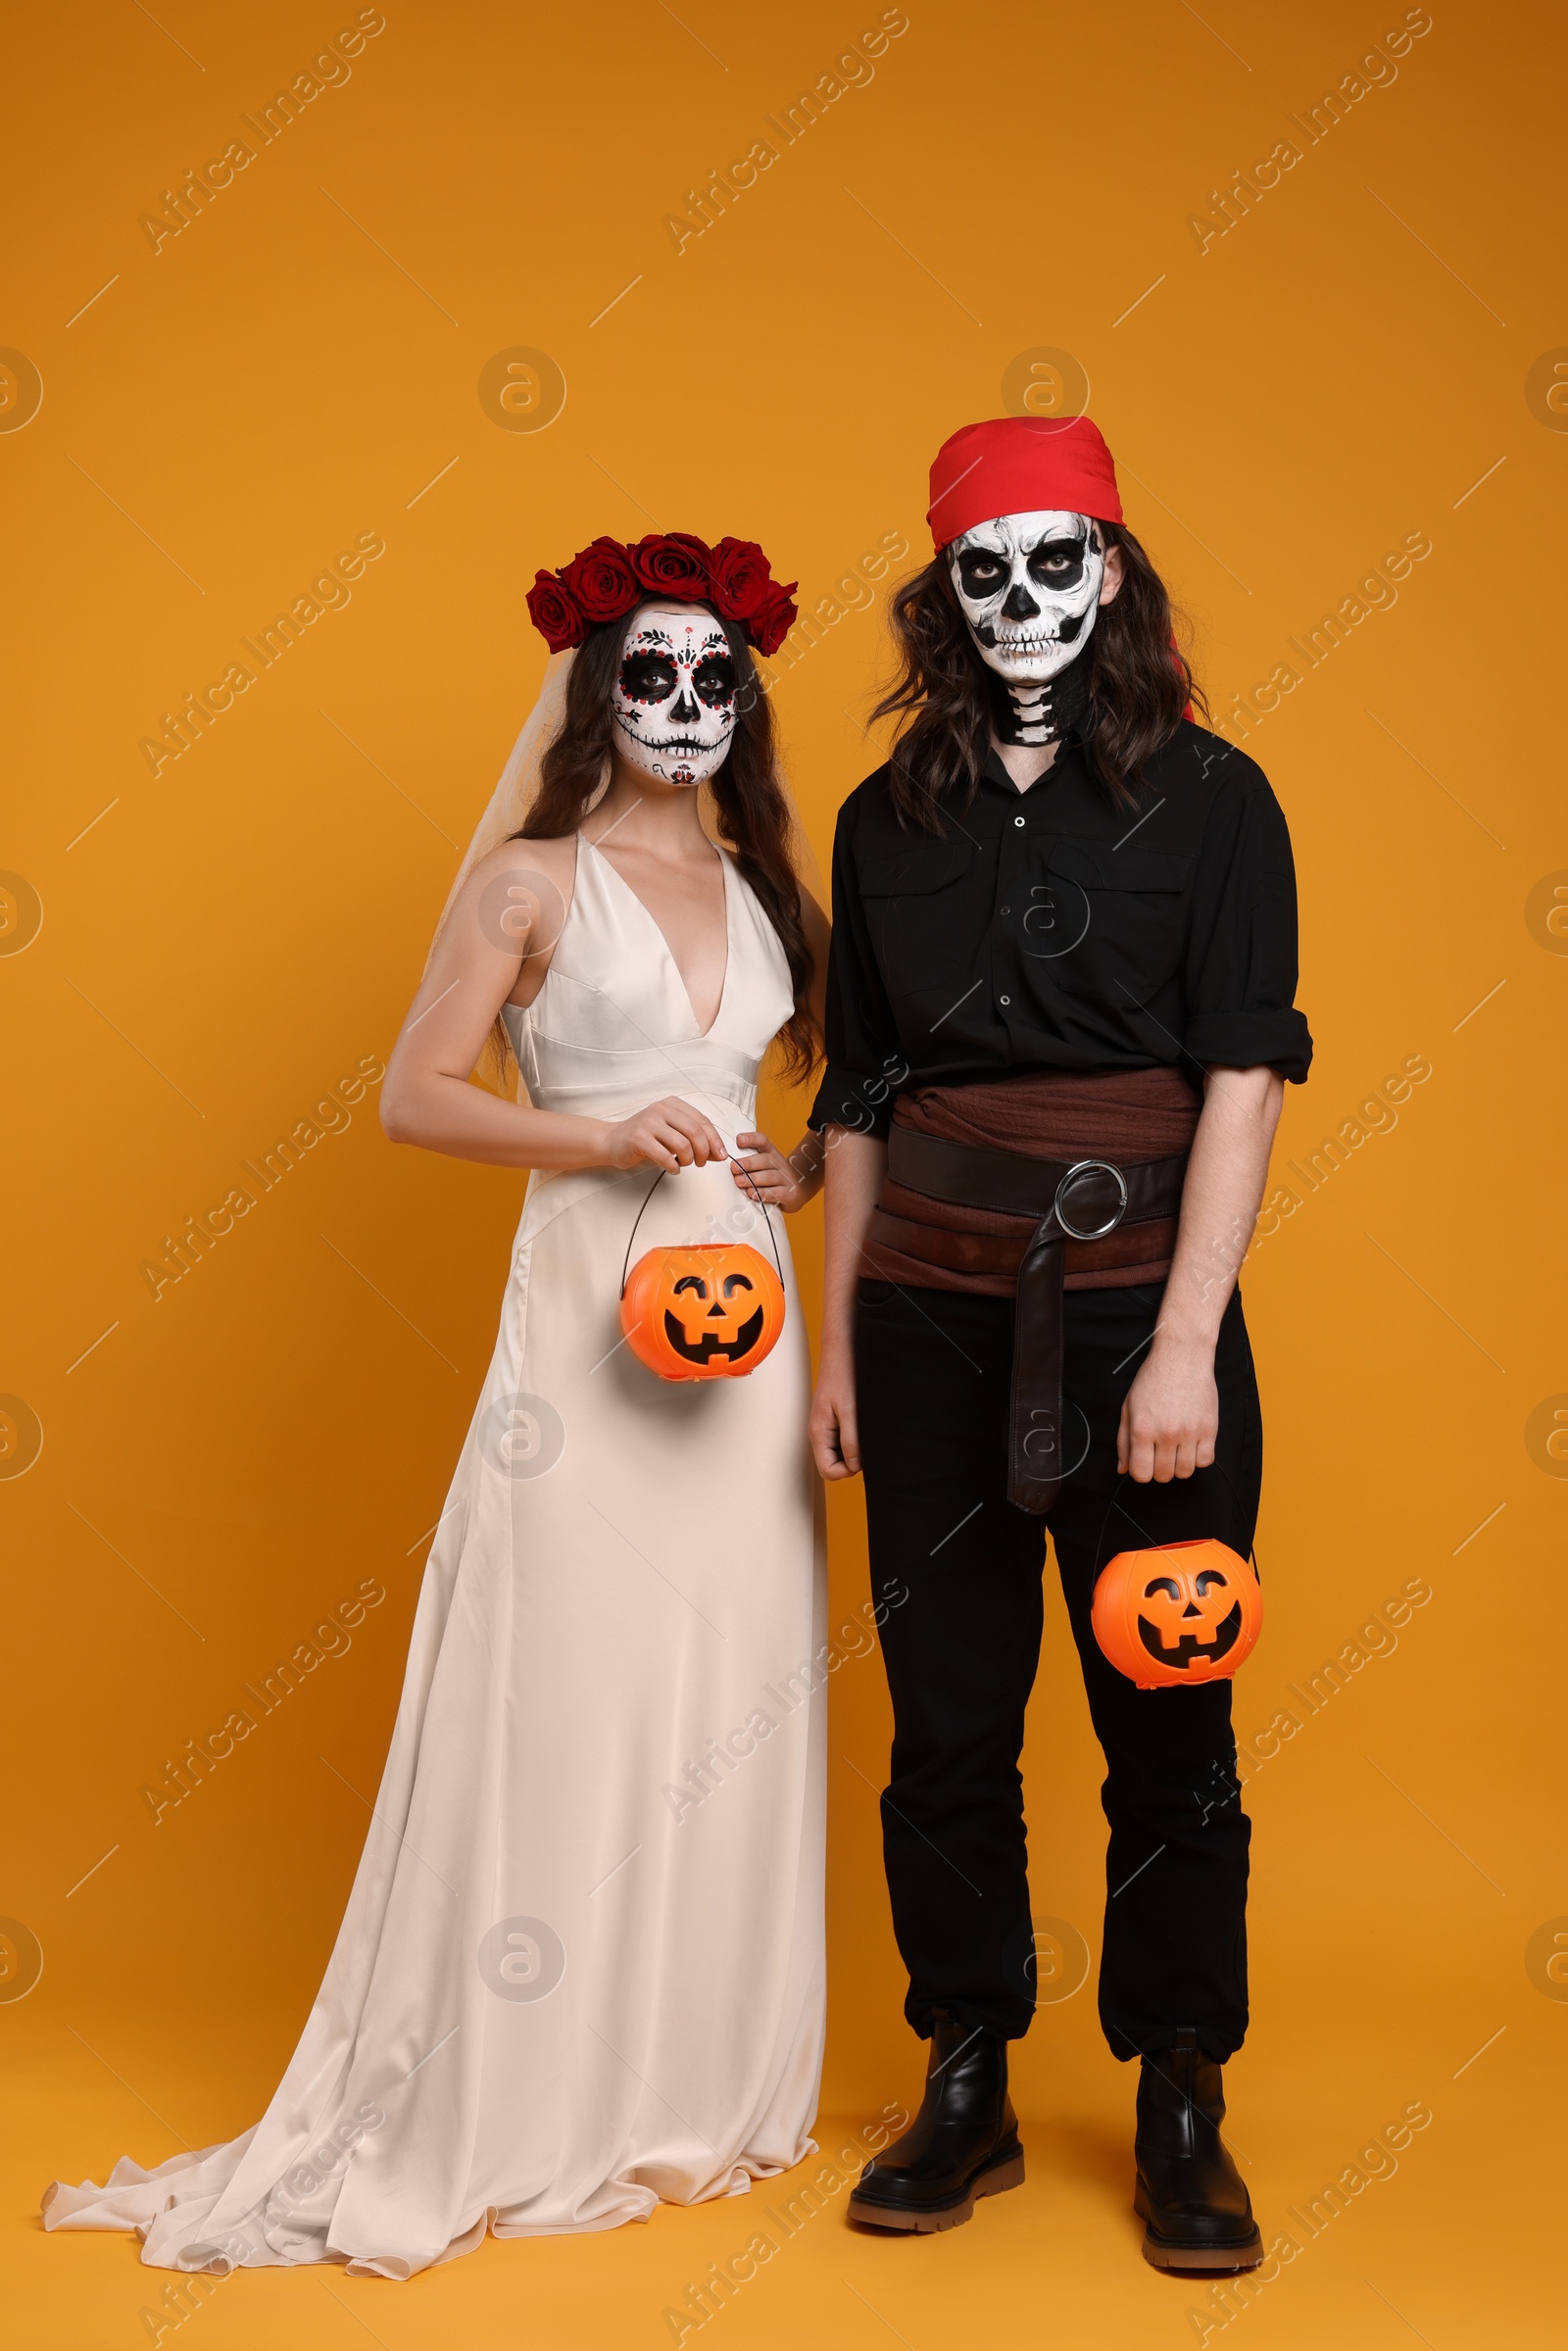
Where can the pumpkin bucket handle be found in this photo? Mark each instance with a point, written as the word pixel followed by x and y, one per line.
pixel 767 1222
pixel 1235 1497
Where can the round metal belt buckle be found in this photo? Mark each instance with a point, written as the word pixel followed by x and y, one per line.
pixel 1092 1167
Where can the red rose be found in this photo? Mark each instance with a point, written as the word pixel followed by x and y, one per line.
pixel 553 612
pixel 768 627
pixel 601 581
pixel 742 581
pixel 673 564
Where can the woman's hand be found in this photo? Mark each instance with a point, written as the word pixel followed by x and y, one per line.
pixel 1170 1414
pixel 668 1134
pixel 781 1182
pixel 833 1426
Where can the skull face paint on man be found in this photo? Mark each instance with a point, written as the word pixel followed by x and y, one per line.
pixel 673 699
pixel 1029 586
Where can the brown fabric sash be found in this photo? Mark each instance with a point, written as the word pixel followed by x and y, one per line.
pixel 1122 1115
pixel 1080 1205
pixel 1000 1255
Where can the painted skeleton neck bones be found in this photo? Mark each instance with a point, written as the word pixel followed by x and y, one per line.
pixel 1029 586
pixel 674 701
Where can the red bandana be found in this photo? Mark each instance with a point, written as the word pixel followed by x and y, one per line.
pixel 1020 465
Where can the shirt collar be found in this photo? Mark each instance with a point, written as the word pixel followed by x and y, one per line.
pixel 993 771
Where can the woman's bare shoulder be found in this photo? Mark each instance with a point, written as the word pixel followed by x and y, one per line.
pixel 555 859
pixel 536 874
pixel 517 899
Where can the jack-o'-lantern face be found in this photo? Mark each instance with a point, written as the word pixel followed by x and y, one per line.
pixel 1178 1612
pixel 716 1314
pixel 1186 1615
pixel 701 1314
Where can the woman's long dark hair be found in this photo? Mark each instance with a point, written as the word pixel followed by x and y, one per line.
pixel 753 817
pixel 1139 685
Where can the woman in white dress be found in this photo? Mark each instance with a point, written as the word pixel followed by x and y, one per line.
pixel 581 1966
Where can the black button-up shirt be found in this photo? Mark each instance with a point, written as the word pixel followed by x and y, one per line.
pixel 1049 929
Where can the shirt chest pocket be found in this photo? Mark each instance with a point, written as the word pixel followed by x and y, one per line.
pixel 1110 922
pixel 920 914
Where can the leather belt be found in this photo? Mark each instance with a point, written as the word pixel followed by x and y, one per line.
pixel 1074 1200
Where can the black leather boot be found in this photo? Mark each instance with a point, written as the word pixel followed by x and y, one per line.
pixel 962 2143
pixel 1193 2199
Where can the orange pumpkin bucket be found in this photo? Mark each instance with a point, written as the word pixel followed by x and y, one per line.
pixel 702 1311
pixel 1179 1612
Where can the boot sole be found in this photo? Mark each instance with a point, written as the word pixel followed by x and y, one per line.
pixel 992 2179
pixel 1166 2253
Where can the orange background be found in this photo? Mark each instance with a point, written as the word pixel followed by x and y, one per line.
pixel 1349 364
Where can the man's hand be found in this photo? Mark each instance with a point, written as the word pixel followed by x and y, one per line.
pixel 856 1164
pixel 834 1433
pixel 1170 1414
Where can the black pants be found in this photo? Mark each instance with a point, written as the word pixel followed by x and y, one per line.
pixel 961 1651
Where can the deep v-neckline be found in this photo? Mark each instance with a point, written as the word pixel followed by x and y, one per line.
pixel 659 930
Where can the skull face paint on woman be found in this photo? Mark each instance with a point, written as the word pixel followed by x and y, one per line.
pixel 1029 586
pixel 673 699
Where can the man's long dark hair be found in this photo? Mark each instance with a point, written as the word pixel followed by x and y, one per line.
pixel 1139 685
pixel 753 811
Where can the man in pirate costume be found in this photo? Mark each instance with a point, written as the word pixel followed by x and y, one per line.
pixel 1059 1018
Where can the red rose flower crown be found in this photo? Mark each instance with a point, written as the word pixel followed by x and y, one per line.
pixel 608 580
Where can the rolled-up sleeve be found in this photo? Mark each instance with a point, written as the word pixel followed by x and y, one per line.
pixel 1241 970
pixel 864 1062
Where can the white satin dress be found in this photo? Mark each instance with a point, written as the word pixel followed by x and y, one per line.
pixel 581 1968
